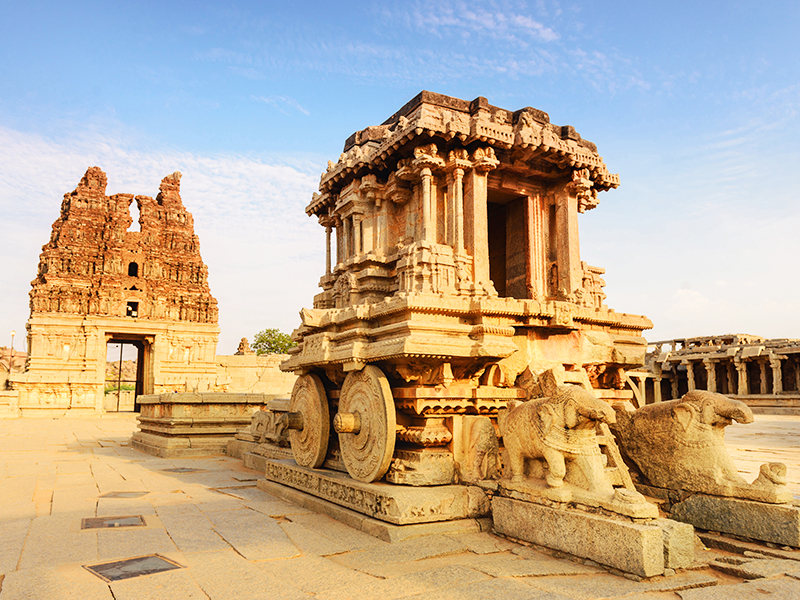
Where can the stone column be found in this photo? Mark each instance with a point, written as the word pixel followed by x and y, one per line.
pixel 348 237
pixel 567 243
pixel 777 376
pixel 458 212
pixel 711 374
pixel 657 382
pixel 689 373
pixel 537 276
pixel 741 368
pixel 762 365
pixel 675 389
pixel 796 374
pixel 657 389
pixel 327 249
pixel 427 225
pixel 476 225
pixel 358 234
pixel 381 226
pixel 731 376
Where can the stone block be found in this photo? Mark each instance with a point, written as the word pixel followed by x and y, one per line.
pixel 777 523
pixel 192 424
pixel 395 504
pixel 238 448
pixel 362 523
pixel 630 547
pixel 678 543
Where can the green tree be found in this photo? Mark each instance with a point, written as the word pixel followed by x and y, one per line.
pixel 272 341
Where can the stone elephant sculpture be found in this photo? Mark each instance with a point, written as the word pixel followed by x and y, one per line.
pixel 560 429
pixel 680 445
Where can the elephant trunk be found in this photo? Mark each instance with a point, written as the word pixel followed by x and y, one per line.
pixel 598 410
pixel 735 410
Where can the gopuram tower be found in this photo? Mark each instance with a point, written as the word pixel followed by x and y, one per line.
pixel 100 282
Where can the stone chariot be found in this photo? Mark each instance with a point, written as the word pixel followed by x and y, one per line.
pixel 456 289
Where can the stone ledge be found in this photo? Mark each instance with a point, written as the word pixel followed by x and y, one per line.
pixel 205 398
pixel 400 505
pixel 777 523
pixel 629 547
pixel 374 527
pixel 177 447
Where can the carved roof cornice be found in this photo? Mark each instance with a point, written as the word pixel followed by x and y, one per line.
pixel 526 136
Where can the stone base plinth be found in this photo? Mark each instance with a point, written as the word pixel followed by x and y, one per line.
pixel 178 447
pixel 777 523
pixel 237 448
pixel 192 424
pixel 637 548
pixel 395 504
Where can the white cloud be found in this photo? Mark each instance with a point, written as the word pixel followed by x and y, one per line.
pixel 264 254
pixel 440 18
pixel 282 103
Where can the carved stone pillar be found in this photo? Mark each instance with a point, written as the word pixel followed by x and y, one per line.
pixel 711 374
pixel 570 276
pixel 657 389
pixel 476 224
pixel 689 373
pixel 347 237
pixel 327 250
pixel 797 374
pixel 762 365
pixel 339 241
pixel 427 226
pixel 731 376
pixel 777 375
pixel 476 220
pixel 741 368
pixel 458 212
pixel 675 389
pixel 358 236
pixel 537 267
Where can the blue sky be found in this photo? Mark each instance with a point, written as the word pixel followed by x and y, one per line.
pixel 695 105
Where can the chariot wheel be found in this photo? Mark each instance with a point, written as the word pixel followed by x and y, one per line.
pixel 366 424
pixel 309 421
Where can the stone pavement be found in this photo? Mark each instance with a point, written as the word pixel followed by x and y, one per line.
pixel 233 540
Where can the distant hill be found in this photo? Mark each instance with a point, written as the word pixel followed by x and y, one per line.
pixel 128 370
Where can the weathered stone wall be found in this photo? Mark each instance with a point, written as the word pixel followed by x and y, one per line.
pixel 251 374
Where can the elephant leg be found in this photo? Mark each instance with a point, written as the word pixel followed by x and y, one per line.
pixel 556 467
pixel 516 461
pixel 595 474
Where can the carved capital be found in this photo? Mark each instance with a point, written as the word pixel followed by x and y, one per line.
pixel 484 159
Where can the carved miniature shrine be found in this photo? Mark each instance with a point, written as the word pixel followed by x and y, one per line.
pixel 99 282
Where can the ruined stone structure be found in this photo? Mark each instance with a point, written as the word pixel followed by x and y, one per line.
pixel 763 373
pixel 99 281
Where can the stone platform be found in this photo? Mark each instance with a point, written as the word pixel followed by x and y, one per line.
pixel 399 505
pixel 642 549
pixel 776 523
pixel 237 541
pixel 193 424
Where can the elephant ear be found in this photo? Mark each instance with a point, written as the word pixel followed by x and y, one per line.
pixel 547 417
pixel 570 414
pixel 685 413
